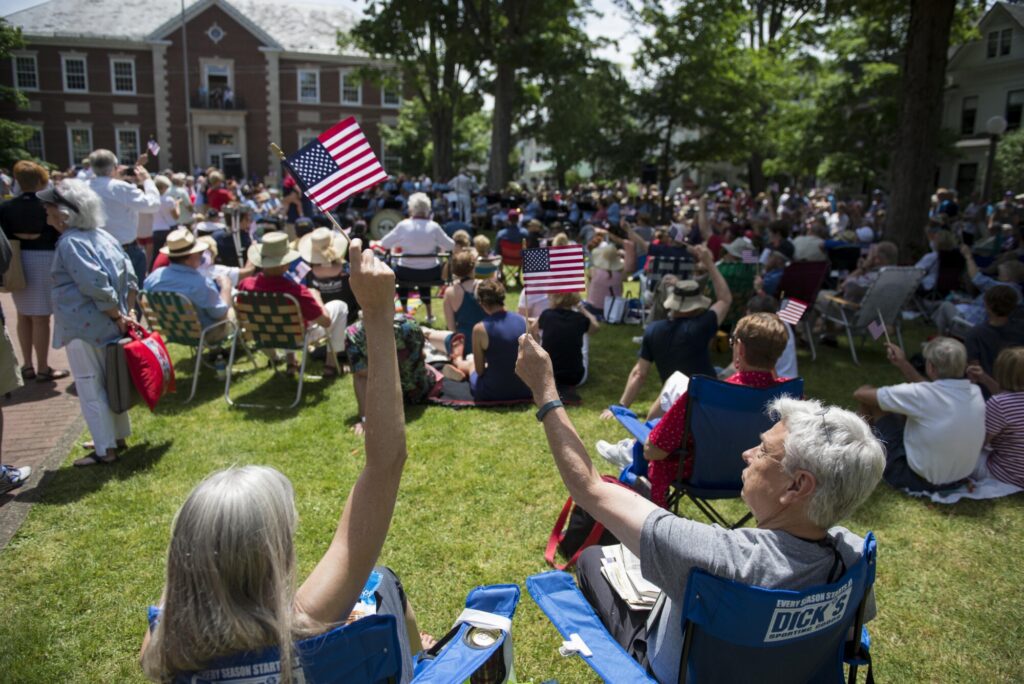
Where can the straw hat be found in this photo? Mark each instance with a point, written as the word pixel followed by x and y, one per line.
pixel 323 246
pixel 210 243
pixel 181 242
pixel 606 257
pixel 273 251
pixel 685 297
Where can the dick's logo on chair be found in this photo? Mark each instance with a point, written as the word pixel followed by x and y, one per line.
pixel 798 618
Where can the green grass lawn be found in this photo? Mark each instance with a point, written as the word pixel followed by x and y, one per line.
pixel 477 502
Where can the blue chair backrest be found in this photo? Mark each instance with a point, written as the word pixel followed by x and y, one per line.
pixel 726 420
pixel 365 651
pixel 738 633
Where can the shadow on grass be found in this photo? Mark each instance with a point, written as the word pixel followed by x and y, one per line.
pixel 278 391
pixel 69 484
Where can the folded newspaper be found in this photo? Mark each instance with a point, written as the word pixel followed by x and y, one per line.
pixel 622 570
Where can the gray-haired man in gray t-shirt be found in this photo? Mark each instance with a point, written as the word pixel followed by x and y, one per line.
pixel 811 469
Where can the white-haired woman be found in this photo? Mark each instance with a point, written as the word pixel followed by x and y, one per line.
pixel 166 218
pixel 231 565
pixel 417 235
pixel 94 288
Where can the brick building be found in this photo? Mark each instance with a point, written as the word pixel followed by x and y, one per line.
pixel 111 73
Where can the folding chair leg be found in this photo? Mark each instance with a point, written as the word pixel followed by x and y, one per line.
pixel 231 363
pixel 302 371
pixel 853 347
pixel 899 331
pixel 810 339
pixel 199 366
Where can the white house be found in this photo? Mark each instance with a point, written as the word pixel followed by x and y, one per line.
pixel 984 78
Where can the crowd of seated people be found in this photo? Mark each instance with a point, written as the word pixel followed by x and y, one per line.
pixel 811 470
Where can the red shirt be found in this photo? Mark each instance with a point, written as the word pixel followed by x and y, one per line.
pixel 667 435
pixel 218 197
pixel 261 282
pixel 160 261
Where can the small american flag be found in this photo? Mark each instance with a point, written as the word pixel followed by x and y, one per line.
pixel 337 165
pixel 153 147
pixel 554 269
pixel 792 310
pixel 877 329
pixel 749 257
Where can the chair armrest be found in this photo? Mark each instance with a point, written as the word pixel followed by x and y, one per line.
pixel 842 302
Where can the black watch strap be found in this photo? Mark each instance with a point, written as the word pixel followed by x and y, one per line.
pixel 550 406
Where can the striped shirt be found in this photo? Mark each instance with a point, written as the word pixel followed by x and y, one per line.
pixel 1004 425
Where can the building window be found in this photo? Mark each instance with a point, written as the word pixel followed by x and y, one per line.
pixel 309 86
pixel 306 137
pixel 127 143
pixel 999 43
pixel 79 142
pixel 1014 105
pixel 122 76
pixel 76 79
pixel 26 72
pixel 391 162
pixel 391 96
pixel 968 115
pixel 351 88
pixel 34 145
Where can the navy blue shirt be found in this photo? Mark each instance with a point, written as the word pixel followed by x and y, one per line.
pixel 681 344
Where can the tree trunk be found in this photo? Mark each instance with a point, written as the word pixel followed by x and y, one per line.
pixel 755 173
pixel 916 151
pixel 441 132
pixel 501 127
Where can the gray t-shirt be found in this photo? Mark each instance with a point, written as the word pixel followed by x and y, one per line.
pixel 671 546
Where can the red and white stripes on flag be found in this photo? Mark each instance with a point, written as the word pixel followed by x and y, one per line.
pixel 336 165
pixel 792 310
pixel 749 257
pixel 548 270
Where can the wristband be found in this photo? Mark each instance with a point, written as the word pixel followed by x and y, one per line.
pixel 546 408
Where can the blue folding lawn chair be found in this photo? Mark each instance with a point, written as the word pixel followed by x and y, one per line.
pixel 733 632
pixel 724 420
pixel 367 651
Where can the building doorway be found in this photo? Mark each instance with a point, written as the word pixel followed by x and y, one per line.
pixel 218 146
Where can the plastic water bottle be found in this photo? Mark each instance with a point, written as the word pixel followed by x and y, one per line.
pixel 221 367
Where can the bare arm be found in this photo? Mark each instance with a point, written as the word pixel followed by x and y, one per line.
pixel 479 347
pixel 866 396
pixel 702 219
pixel 899 359
pixel 449 306
pixel 621 510
pixel 635 381
pixel 723 297
pixel 334 585
pixel 972 266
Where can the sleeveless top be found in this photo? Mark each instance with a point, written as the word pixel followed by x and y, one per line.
pixel 469 312
pixel 500 382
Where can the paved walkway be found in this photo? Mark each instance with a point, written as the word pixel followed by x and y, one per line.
pixel 41 422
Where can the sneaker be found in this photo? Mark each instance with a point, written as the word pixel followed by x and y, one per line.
pixel 12 478
pixel 620 454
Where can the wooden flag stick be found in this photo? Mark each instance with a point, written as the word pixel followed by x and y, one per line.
pixel 885 328
pixel 280 154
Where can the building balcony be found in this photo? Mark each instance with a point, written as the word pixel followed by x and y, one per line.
pixel 216 100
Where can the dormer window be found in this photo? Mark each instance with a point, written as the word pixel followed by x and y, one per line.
pixel 999 43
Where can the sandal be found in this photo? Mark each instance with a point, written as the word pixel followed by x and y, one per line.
pixel 28 372
pixel 91 446
pixel 94 459
pixel 49 375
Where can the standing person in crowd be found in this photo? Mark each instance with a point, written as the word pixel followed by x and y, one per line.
pixel 24 219
pixel 273 257
pixel 813 468
pixel 94 289
pixel 123 202
pixel 217 195
pixel 11 477
pixel 166 218
pixel 925 450
pixel 1004 418
pixel 462 185
pixel 231 564
pixel 681 342
pixel 179 192
pixel 417 235
pixel 606 276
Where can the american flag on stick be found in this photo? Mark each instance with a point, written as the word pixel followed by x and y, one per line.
pixel 792 310
pixel 549 270
pixel 336 165
pixel 749 257
pixel 154 147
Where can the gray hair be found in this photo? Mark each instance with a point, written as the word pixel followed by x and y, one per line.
pixel 947 356
pixel 230 574
pixel 163 183
pixel 90 212
pixel 103 162
pixel 838 448
pixel 419 205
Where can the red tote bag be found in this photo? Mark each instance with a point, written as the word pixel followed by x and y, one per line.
pixel 149 365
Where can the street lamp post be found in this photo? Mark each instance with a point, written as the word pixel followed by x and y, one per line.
pixel 995 127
